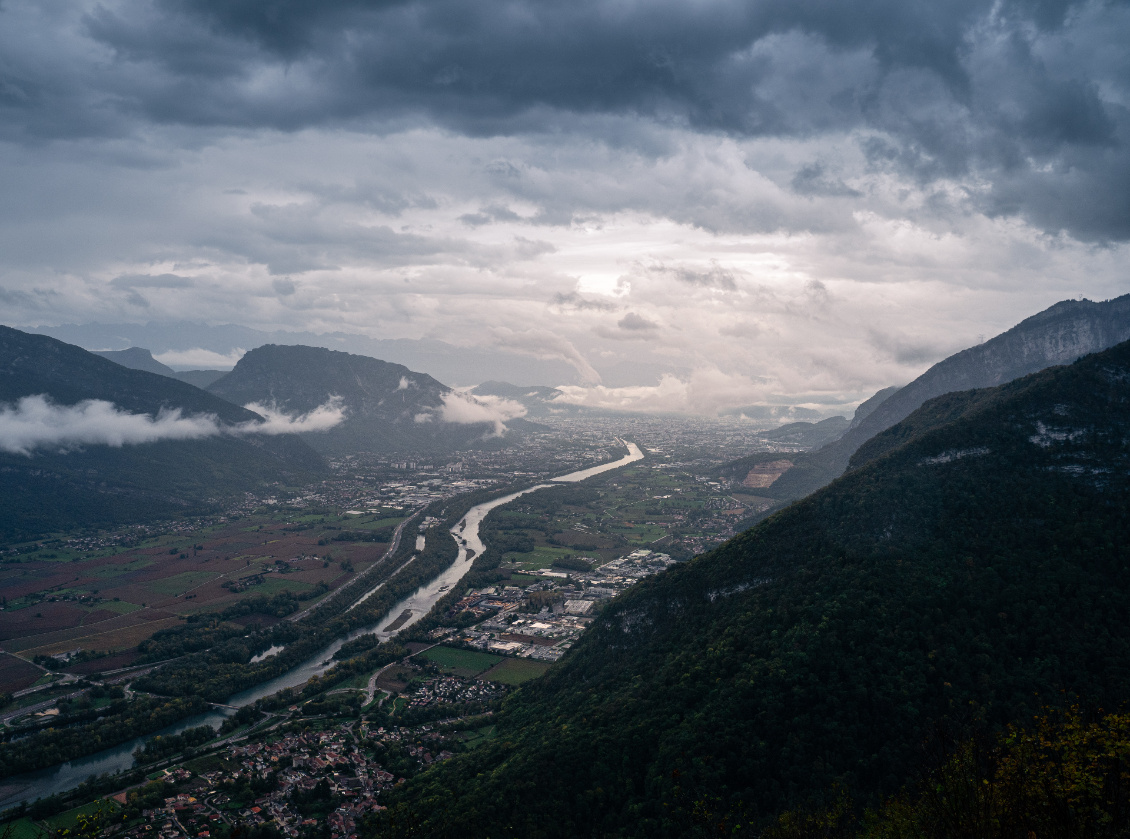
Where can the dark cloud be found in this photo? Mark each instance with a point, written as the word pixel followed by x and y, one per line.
pixel 152 281
pixel 636 323
pixel 15 297
pixel 632 327
pixel 913 352
pixel 1023 98
pixel 576 302
pixel 714 277
pixel 284 286
pixel 486 215
pixel 812 180
pixel 134 298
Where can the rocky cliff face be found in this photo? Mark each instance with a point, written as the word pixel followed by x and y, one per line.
pixel 1058 335
pixel 137 358
pixel 867 407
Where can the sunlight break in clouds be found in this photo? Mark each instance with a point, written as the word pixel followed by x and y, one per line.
pixel 35 422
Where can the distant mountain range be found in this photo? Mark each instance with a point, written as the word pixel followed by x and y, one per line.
pixel 809 433
pixel 137 358
pixel 177 446
pixel 387 406
pixel 456 365
pixel 1058 335
pixel 969 571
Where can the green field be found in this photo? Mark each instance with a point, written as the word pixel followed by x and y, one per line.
pixel 67 819
pixel 479 736
pixel 465 663
pixel 120 606
pixel 376 524
pixel 107 571
pixel 274 584
pixel 542 556
pixel 23 829
pixel 525 579
pixel 642 534
pixel 208 763
pixel 181 583
pixel 514 671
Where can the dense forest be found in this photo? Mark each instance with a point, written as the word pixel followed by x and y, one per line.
pixel 961 580
pixel 1065 773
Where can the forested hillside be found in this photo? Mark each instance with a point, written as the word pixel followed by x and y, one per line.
pixel 972 574
pixel 71 485
pixel 387 406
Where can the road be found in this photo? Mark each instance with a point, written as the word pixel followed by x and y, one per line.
pixel 39 706
pixel 392 547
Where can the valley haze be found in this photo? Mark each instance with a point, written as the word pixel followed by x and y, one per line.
pixel 603 419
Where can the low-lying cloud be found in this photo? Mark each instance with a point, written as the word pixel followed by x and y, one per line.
pixel 36 423
pixel 464 409
pixel 706 390
pixel 322 418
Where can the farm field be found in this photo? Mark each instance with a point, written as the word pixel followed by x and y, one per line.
pixel 109 601
pixel 466 663
pixel 676 512
pixel 16 674
pixel 67 819
pixel 479 736
pixel 514 671
pixel 25 828
pixel 540 557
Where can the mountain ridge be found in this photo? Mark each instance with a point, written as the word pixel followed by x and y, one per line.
pixel 388 406
pixel 1057 335
pixel 139 358
pixel 77 484
pixel 959 576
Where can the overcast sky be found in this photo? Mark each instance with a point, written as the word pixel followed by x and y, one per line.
pixel 776 200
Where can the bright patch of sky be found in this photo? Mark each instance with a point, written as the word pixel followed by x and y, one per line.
pixel 689 206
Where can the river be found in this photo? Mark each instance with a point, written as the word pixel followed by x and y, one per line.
pixel 69 775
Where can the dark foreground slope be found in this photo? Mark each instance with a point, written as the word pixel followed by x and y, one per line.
pixel 973 572
pixel 100 485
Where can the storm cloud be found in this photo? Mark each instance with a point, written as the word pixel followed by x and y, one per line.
pixel 1031 95
pixel 636 190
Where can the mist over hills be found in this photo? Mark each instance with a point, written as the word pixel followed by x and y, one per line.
pixel 388 407
pixel 974 570
pixel 149 446
pixel 538 400
pixel 446 362
pixel 1058 335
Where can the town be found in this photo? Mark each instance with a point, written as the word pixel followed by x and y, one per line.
pixel 563 553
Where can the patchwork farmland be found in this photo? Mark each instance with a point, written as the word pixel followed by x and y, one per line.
pixel 109 602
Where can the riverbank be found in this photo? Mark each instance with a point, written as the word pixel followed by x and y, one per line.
pixel 417 600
